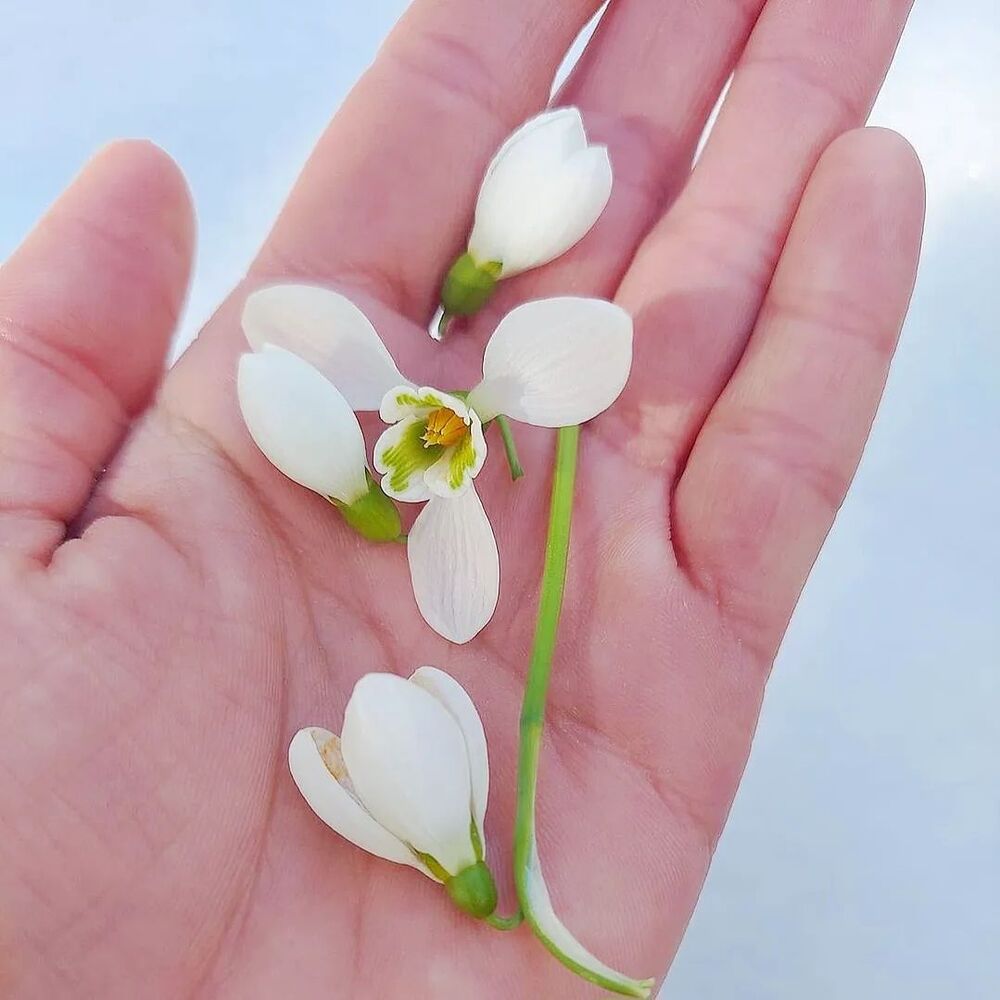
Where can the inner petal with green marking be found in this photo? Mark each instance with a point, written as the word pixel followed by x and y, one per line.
pixel 403 455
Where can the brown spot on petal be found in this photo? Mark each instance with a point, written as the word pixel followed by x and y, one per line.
pixel 333 758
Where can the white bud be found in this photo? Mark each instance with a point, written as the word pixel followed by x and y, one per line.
pixel 543 191
pixel 302 423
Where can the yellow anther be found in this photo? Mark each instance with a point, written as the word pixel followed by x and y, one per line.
pixel 444 428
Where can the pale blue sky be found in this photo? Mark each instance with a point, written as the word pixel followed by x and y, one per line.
pixel 862 861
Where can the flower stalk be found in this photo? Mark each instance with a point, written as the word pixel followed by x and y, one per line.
pixel 532 893
pixel 509 447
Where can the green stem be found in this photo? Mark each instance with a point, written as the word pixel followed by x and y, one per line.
pixel 505 923
pixel 546 626
pixel 509 447
pixel 531 890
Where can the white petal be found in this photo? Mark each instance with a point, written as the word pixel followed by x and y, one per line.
pixel 402 459
pixel 555 362
pixel 541 197
pixel 334 804
pixel 456 699
pixel 330 332
pixel 302 424
pixel 585 186
pixel 407 400
pixel 556 936
pixel 454 566
pixel 452 474
pixel 555 133
pixel 406 756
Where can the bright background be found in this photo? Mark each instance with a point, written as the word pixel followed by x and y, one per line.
pixel 862 860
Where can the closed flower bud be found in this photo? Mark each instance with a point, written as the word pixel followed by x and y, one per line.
pixel 306 429
pixel 543 191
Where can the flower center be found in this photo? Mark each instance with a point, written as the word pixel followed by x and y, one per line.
pixel 444 428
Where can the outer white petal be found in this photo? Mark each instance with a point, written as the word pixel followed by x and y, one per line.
pixel 454 566
pixel 330 332
pixel 555 362
pixel 406 756
pixel 583 193
pixel 302 423
pixel 555 133
pixel 334 804
pixel 456 699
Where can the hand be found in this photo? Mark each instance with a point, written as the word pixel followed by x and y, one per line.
pixel 168 628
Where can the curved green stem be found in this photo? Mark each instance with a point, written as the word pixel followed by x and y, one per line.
pixel 532 892
pixel 505 923
pixel 509 447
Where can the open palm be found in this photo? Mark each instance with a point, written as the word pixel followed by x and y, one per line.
pixel 167 629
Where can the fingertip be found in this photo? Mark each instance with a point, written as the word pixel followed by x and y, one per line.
pixel 877 157
pixel 148 186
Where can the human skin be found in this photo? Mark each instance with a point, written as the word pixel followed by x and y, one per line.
pixel 173 609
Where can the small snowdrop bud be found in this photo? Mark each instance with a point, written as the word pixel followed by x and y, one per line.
pixel 543 191
pixel 306 429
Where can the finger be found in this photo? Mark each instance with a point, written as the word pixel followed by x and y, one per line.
pixel 777 453
pixel 87 307
pixel 810 72
pixel 646 84
pixel 385 198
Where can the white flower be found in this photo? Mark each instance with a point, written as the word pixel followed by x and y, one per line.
pixel 306 428
pixel 543 190
pixel 407 780
pixel 551 363
pixel 302 424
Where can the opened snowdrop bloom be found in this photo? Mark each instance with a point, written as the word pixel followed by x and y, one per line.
pixel 407 780
pixel 544 189
pixel 307 430
pixel 552 363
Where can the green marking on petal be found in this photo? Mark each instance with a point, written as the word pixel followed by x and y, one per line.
pixel 408 455
pixel 461 461
pixel 427 400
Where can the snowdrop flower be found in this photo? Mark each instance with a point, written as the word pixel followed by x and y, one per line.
pixel 407 780
pixel 552 363
pixel 544 189
pixel 305 428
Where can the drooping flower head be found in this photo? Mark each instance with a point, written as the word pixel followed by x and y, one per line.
pixel 407 780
